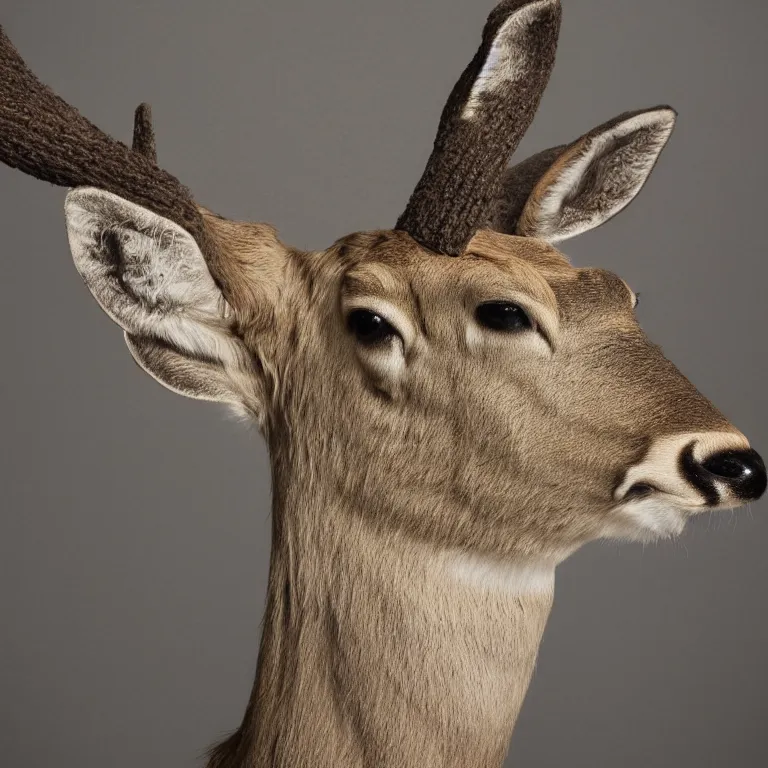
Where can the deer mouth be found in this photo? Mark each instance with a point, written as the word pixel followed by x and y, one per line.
pixel 649 515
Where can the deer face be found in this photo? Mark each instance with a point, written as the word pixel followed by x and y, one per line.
pixel 501 401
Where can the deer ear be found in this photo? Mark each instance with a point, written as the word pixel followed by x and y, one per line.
pixel 149 275
pixel 569 190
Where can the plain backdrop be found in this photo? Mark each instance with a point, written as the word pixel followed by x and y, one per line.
pixel 134 524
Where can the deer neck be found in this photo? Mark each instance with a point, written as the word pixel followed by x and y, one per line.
pixel 378 650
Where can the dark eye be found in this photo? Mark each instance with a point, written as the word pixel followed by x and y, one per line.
pixel 369 328
pixel 503 316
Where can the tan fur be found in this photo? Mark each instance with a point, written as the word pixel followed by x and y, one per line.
pixel 426 488
pixel 374 653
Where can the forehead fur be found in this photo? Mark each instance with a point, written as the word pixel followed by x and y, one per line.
pixel 390 264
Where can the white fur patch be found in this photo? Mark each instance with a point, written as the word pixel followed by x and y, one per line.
pixel 506 61
pixel 148 274
pixel 646 520
pixel 496 574
pixel 663 514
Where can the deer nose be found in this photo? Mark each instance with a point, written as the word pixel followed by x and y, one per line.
pixel 704 469
pixel 741 471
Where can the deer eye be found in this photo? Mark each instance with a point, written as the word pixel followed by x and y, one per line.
pixel 504 316
pixel 369 328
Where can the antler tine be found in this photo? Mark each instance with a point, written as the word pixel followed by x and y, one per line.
pixel 43 136
pixel 144 133
pixel 488 112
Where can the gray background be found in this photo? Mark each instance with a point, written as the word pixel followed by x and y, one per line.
pixel 134 529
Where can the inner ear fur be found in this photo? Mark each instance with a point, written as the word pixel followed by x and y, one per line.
pixel 570 189
pixel 149 275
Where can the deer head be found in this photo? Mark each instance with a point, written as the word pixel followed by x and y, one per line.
pixel 454 379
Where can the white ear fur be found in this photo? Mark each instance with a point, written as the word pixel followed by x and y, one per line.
pixel 191 377
pixel 506 60
pixel 149 275
pixel 597 177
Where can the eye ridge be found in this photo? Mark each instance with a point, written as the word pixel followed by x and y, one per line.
pixel 504 316
pixel 370 328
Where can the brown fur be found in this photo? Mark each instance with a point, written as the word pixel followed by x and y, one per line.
pixel 424 489
pixel 371 655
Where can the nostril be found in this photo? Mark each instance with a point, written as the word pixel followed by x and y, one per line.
pixel 743 472
pixel 729 465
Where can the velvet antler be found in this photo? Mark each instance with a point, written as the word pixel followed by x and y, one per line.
pixel 488 112
pixel 43 136
pixel 144 133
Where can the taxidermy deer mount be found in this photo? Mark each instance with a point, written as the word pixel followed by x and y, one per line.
pixel 451 407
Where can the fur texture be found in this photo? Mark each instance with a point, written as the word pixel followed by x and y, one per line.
pixel 596 177
pixel 409 586
pixel 487 114
pixel 412 541
pixel 425 486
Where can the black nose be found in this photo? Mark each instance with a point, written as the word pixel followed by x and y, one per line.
pixel 742 471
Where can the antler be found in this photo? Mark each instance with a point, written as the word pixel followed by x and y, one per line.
pixel 144 133
pixel 488 112
pixel 42 135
